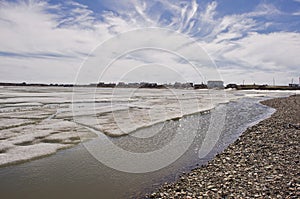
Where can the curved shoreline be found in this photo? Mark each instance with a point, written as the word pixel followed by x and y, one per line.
pixel 263 162
pixel 8 161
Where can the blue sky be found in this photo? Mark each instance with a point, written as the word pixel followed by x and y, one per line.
pixel 47 41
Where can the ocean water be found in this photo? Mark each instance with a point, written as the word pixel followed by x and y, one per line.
pixel 38 121
pixel 175 136
pixel 77 173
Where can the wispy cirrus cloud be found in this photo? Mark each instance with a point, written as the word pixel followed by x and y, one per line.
pixel 38 37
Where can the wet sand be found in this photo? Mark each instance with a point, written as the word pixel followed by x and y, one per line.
pixel 262 163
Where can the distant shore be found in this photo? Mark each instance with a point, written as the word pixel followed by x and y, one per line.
pixel 176 85
pixel 263 163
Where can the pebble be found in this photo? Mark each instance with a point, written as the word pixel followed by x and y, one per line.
pixel 262 163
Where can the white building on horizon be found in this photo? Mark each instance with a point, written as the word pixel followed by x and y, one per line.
pixel 215 84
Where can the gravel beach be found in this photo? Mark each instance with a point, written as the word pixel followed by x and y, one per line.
pixel 262 163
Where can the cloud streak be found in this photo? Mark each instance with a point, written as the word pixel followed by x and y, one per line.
pixel 39 36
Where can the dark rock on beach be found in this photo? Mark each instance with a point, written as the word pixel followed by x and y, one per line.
pixel 263 163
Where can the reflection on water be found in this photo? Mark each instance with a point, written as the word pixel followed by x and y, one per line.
pixel 74 173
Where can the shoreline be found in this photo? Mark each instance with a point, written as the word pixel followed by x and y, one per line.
pixel 262 163
pixel 40 129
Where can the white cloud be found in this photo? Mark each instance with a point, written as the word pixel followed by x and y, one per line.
pixel 41 37
pixel 209 12
pixel 296 13
pixel 34 30
pixel 266 54
pixel 30 27
pixel 264 9
pixel 278 50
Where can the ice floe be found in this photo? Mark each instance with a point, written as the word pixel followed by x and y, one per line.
pixel 37 121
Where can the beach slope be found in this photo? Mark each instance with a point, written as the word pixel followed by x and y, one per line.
pixel 262 163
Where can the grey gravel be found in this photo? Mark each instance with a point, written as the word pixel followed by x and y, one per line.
pixel 262 163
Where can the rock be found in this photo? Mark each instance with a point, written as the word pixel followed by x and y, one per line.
pixel 262 163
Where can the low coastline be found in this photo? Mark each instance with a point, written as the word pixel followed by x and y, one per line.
pixel 262 163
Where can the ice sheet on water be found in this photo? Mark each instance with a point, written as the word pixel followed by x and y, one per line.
pixel 131 109
pixel 25 153
pixel 38 121
pixel 28 128
pixel 26 113
pixel 12 122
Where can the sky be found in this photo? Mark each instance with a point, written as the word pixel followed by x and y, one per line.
pixel 57 41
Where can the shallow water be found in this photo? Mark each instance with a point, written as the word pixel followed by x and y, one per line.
pixel 75 173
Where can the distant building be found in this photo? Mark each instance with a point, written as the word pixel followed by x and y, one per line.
pixel 215 84
pixel 148 85
pixel 177 85
pixel 200 86
pixel 109 85
pixel 232 86
pixel 294 85
pixel 133 85
pixel 121 85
